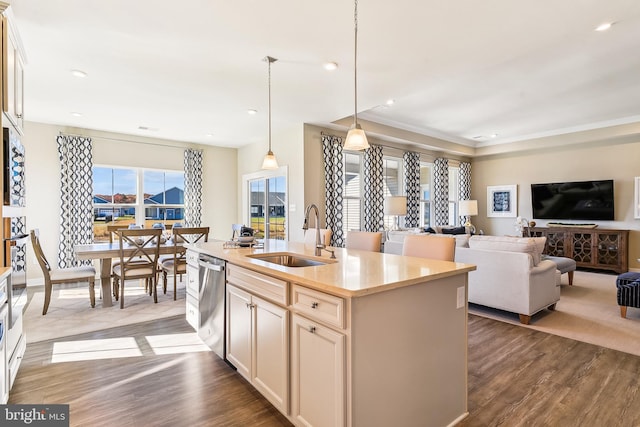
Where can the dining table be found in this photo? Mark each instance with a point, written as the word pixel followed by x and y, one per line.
pixel 105 252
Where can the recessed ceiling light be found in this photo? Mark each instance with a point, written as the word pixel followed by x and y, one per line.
pixel 330 66
pixel 391 101
pixel 252 111
pixel 604 26
pixel 209 135
pixel 76 114
pixel 79 73
pixel 493 135
pixel 148 128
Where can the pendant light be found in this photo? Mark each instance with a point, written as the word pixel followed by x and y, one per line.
pixel 269 161
pixel 356 138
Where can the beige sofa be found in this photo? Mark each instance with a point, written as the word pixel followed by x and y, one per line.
pixel 510 274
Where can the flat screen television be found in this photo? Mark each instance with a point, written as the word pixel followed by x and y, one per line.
pixel 580 201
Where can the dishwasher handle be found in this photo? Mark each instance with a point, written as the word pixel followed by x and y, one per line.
pixel 210 266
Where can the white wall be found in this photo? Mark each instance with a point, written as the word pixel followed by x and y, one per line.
pixel 43 178
pixel 288 147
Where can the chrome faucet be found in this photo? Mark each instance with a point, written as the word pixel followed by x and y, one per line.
pixel 319 245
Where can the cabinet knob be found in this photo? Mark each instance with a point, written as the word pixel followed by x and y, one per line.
pixel 314 305
pixel 312 329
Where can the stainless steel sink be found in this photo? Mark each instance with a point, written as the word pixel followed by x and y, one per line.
pixel 288 259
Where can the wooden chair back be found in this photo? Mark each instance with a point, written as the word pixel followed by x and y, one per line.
pixel 111 230
pixel 142 248
pixel 178 264
pixel 432 247
pixel 64 275
pixel 37 249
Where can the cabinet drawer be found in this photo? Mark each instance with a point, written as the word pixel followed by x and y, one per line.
pixel 192 258
pixel 193 277
pixel 192 312
pixel 259 284
pixel 318 305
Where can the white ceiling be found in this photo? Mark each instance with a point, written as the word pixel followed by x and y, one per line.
pixel 458 70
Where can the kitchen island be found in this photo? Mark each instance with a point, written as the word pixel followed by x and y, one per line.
pixel 366 339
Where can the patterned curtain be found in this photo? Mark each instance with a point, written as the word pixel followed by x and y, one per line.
pixel 373 189
pixel 192 187
pixel 412 188
pixel 76 199
pixel 464 186
pixel 441 191
pixel 334 186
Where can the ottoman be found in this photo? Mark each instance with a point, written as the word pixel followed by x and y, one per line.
pixel 564 265
pixel 628 285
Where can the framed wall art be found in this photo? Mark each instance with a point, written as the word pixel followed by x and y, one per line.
pixel 502 201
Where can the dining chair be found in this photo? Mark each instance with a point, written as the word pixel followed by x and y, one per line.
pixel 177 264
pixel 310 236
pixel 364 240
pixel 56 276
pixel 428 246
pixel 139 252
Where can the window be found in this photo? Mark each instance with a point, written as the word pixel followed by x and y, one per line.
pixel 454 173
pixel 426 179
pixel 268 202
pixel 392 184
pixel 163 196
pixel 123 196
pixel 351 205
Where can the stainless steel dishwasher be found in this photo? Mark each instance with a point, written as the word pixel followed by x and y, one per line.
pixel 212 303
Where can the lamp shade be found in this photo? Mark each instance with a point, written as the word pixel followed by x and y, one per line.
pixel 468 207
pixel 356 139
pixel 395 205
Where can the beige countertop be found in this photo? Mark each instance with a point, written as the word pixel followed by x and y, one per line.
pixel 355 272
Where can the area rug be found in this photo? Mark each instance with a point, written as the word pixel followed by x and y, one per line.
pixel 70 311
pixel 587 311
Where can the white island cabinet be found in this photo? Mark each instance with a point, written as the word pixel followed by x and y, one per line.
pixel 367 340
pixel 258 332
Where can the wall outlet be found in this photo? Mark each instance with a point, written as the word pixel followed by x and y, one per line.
pixel 461 298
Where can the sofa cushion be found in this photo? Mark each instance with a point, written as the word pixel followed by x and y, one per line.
pixel 507 243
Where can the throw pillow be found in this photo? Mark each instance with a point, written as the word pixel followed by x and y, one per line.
pixel 454 230
pixel 429 230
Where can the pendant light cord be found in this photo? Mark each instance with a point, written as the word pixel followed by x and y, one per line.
pixel 355 63
pixel 269 59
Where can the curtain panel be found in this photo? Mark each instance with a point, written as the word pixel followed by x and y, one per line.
pixel 192 187
pixel 411 165
pixel 464 186
pixel 373 189
pixel 441 191
pixel 334 187
pixel 76 197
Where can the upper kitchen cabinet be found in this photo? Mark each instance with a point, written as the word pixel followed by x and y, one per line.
pixel 12 71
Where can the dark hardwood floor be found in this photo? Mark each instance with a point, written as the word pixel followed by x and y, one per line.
pixel 517 377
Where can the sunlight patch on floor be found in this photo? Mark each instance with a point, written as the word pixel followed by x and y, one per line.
pixel 111 348
pixel 176 343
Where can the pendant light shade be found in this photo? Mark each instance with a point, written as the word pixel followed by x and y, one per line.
pixel 269 161
pixel 356 138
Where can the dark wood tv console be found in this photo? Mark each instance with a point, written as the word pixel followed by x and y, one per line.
pixel 596 248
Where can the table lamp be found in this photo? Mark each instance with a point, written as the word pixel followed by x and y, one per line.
pixel 469 208
pixel 395 205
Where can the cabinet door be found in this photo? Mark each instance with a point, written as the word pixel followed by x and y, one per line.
pixel 270 369
pixel 239 330
pixel 318 374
